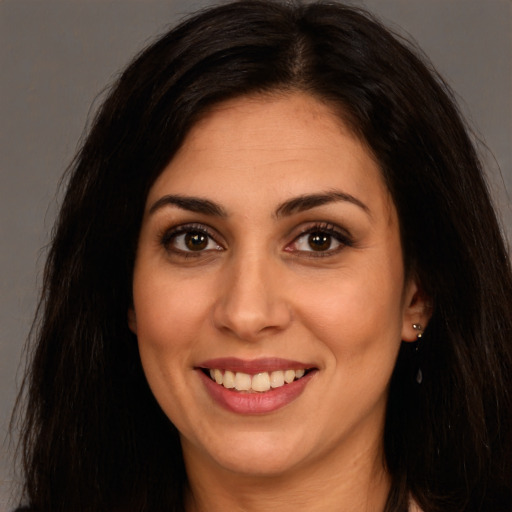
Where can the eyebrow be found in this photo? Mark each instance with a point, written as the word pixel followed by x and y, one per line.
pixel 295 205
pixel 192 204
pixel 309 201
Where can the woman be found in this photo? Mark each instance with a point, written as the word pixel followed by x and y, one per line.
pixel 277 281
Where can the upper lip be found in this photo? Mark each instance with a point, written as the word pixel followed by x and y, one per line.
pixel 253 366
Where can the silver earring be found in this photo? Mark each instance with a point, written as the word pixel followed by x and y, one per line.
pixel 419 330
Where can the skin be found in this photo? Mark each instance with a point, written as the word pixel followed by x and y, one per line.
pixel 258 289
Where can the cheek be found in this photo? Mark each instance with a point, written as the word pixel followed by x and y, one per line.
pixel 170 316
pixel 358 314
pixel 166 308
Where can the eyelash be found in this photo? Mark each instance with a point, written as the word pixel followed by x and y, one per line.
pixel 167 238
pixel 324 228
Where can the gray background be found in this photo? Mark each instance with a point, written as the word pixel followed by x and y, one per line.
pixel 56 56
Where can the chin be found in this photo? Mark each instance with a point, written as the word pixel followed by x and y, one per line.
pixel 256 454
pixel 258 465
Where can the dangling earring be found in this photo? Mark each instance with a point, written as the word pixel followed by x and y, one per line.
pixel 419 335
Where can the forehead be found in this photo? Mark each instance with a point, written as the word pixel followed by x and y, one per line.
pixel 279 145
pixel 277 120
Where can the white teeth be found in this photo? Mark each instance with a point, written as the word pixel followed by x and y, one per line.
pixel 289 376
pixel 259 382
pixel 242 381
pixel 218 376
pixel 277 379
pixel 228 380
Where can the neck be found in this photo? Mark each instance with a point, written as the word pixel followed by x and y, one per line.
pixel 343 482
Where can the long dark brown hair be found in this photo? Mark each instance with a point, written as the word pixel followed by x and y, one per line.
pixel 94 438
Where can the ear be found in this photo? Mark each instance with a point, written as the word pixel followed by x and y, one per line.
pixel 417 310
pixel 132 320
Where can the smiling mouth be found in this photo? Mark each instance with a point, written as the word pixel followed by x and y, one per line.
pixel 257 383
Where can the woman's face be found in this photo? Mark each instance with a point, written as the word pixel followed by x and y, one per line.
pixel 269 250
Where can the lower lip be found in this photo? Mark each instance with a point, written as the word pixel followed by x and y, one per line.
pixel 255 403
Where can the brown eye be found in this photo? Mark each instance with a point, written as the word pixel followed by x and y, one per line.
pixel 322 240
pixel 196 241
pixel 189 239
pixel 319 241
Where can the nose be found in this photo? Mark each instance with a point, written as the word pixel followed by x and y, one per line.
pixel 252 301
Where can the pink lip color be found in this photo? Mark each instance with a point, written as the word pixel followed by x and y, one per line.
pixel 255 403
pixel 265 364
